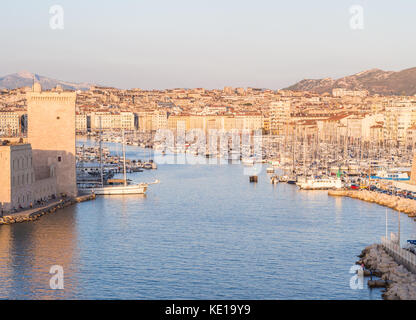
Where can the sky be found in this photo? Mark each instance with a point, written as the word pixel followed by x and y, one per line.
pixel 162 44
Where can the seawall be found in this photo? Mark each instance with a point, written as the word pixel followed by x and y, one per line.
pixel 400 283
pixel 407 206
pixel 37 213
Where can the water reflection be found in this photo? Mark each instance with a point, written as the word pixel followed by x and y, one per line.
pixel 204 232
pixel 28 250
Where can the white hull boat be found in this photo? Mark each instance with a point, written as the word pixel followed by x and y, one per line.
pixel 270 170
pixel 247 161
pixel 124 189
pixel 131 189
pixel 320 184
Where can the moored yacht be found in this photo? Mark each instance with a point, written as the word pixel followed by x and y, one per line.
pixel 247 161
pixel 391 175
pixel 124 187
pixel 321 184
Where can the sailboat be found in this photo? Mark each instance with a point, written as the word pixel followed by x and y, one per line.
pixel 124 189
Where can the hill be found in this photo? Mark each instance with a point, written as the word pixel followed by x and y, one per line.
pixel 376 81
pixel 25 79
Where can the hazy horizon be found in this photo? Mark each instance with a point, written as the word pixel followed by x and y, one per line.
pixel 194 87
pixel 185 44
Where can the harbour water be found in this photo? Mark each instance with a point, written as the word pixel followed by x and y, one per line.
pixel 204 232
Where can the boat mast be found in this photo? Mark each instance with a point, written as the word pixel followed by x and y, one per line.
pixel 124 162
pixel 304 152
pixel 294 138
pixel 101 156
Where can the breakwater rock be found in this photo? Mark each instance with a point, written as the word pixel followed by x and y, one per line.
pixel 399 282
pixel 404 205
pixel 35 214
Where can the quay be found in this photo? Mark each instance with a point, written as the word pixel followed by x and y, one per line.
pixel 407 206
pixel 35 213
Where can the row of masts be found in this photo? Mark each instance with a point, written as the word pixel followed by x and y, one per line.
pixel 312 149
pixel 101 158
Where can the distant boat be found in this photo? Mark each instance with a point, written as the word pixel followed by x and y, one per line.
pixel 284 178
pixel 321 184
pixel 247 161
pixel 147 165
pixel 291 180
pixel 275 163
pixel 391 175
pixel 233 155
pixel 132 189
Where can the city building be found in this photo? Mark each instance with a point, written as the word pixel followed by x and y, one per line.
pixel 81 123
pixel 10 123
pixel 398 118
pixel 108 120
pixel 279 116
pixel 21 185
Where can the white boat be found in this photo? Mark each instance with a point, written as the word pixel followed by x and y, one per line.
pixel 131 189
pixel 321 184
pixel 233 155
pixel 391 175
pixel 247 161
pixel 275 163
pixel 140 188
pixel 270 170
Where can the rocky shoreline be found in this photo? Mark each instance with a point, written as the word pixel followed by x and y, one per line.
pixel 407 206
pixel 35 214
pixel 399 282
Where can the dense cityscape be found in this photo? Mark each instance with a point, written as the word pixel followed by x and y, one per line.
pixel 208 156
pixel 355 114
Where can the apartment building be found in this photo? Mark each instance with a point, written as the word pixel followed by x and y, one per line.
pixel 81 123
pixel 341 92
pixel 112 120
pixel 249 121
pixel 152 120
pixel 279 116
pixel 10 123
pixel 398 117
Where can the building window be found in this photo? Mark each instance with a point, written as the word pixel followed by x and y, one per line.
pixel 59 159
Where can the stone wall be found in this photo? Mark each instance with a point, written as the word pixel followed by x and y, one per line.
pixel 51 132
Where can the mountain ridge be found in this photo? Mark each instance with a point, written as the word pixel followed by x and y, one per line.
pixel 26 78
pixel 375 81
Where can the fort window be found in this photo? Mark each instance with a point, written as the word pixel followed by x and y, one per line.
pixel 59 159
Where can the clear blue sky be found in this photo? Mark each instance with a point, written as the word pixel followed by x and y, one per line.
pixel 211 44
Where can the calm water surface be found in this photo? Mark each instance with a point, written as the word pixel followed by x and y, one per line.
pixel 204 232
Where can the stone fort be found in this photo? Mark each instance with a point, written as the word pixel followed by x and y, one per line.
pixel 44 166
